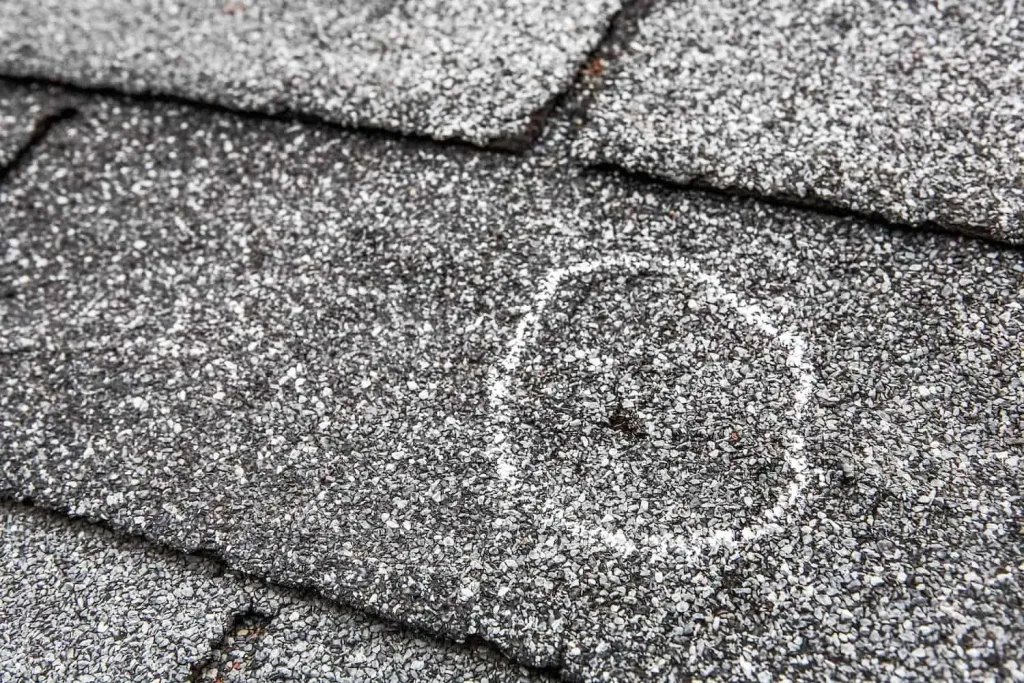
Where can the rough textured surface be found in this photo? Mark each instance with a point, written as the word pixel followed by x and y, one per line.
pixel 23 109
pixel 476 70
pixel 78 604
pixel 907 110
pixel 476 394
pixel 314 640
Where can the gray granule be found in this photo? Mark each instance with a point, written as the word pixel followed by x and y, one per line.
pixel 475 70
pixel 910 111
pixel 464 391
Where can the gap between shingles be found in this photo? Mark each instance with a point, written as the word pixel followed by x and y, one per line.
pixel 621 26
pixel 282 115
pixel 808 205
pixel 618 30
pixel 295 591
pixel 576 100
pixel 573 101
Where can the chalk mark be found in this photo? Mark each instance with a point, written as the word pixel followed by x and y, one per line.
pixel 699 542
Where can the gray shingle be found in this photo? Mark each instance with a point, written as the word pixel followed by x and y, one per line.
pixel 910 111
pixel 476 70
pixel 78 604
pixel 735 440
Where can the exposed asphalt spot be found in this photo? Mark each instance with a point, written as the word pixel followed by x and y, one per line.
pixel 232 657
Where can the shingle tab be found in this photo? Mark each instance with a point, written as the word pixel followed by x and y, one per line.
pixel 23 109
pixel 911 111
pixel 476 70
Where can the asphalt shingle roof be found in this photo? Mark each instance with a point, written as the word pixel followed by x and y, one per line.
pixel 909 111
pixel 606 427
pixel 613 428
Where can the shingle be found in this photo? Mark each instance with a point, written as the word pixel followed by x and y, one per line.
pixel 476 70
pixel 909 111
pixel 612 429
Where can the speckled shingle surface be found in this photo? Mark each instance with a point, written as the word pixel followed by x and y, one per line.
pixel 615 430
pixel 23 109
pixel 911 111
pixel 79 604
pixel 476 70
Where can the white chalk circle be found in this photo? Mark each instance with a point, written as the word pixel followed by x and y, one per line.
pixel 501 449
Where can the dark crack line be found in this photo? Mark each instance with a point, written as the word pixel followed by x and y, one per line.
pixel 40 131
pixel 602 59
pixel 578 93
pixel 619 27
pixel 808 205
pixel 574 100
pixel 575 103
pixel 282 115
pixel 294 591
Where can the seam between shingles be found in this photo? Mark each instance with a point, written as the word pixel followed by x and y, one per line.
pixel 579 90
pixel 578 98
pixel 40 130
pixel 617 30
pixel 624 27
pixel 281 115
pixel 575 99
pixel 808 204
pixel 297 591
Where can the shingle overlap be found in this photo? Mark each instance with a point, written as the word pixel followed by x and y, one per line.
pixel 908 111
pixel 475 70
